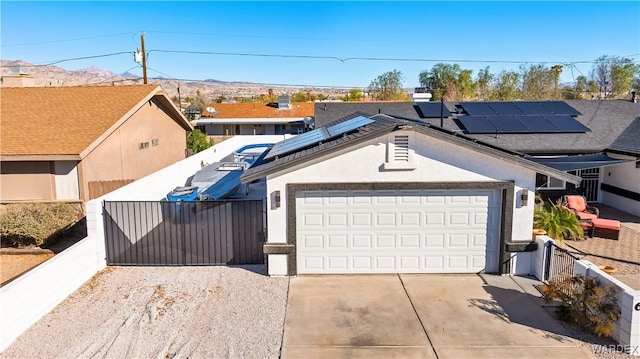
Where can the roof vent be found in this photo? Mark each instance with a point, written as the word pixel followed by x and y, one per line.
pixel 284 102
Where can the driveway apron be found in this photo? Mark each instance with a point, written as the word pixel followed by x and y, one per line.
pixel 359 316
pixel 486 316
pixel 419 316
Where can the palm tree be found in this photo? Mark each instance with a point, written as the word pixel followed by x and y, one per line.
pixel 559 222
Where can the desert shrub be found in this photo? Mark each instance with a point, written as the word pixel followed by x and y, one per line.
pixel 585 303
pixel 31 224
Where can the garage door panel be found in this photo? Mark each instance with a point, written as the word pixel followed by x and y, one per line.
pixel 397 231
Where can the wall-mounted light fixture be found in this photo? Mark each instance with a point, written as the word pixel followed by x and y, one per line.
pixel 276 199
pixel 524 197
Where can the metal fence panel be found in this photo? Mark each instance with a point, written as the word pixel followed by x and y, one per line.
pixel 184 232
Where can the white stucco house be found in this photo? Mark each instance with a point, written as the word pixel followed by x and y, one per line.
pixel 387 195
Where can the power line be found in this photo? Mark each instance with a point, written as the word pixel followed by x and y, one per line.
pixel 344 59
pixel 64 40
pixel 74 59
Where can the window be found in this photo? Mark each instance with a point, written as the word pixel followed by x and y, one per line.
pixel 143 145
pixel 155 142
pixel 400 153
pixel 546 182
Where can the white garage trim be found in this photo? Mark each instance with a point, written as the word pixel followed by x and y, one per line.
pixel 503 192
pixel 402 231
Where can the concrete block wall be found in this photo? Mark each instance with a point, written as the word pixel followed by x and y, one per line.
pixel 27 299
pixel 627 330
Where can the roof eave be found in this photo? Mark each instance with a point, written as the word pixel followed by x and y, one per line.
pixel 38 157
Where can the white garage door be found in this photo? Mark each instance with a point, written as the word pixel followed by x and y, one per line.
pixel 397 231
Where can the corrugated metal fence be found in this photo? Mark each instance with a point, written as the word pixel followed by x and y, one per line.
pixel 184 232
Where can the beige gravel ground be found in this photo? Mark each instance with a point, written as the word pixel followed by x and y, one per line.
pixel 164 312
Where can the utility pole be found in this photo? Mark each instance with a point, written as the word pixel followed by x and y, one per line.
pixel 144 60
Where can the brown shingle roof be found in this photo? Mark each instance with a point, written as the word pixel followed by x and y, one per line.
pixel 259 110
pixel 62 120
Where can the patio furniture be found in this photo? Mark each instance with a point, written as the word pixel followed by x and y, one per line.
pixel 605 228
pixel 578 205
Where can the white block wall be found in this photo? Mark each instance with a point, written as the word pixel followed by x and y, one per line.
pixel 31 296
pixel 539 257
pixel 27 299
pixel 627 330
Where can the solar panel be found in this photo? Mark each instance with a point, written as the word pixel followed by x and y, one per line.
pixel 505 108
pixel 566 124
pixel 537 124
pixel 477 124
pixel 349 125
pixel 300 141
pixel 477 108
pixel 507 124
pixel 560 108
pixel 532 108
pixel 432 109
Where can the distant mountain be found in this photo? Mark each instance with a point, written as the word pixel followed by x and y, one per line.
pixel 92 75
pixel 97 71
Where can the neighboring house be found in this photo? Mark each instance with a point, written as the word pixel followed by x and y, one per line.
pixel 380 194
pixel 227 119
pixel 605 122
pixel 77 143
pixel 621 184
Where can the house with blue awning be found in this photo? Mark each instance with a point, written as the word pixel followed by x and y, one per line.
pixel 597 140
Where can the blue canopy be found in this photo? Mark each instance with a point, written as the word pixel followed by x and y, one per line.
pixel 577 162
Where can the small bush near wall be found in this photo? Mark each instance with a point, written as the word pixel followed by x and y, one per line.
pixel 585 303
pixel 31 224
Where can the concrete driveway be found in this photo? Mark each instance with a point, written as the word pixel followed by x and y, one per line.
pixel 419 316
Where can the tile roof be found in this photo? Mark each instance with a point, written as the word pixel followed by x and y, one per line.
pixel 629 141
pixel 259 110
pixel 386 124
pixel 63 120
pixel 606 119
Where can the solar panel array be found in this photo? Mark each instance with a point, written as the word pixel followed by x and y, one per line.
pixel 432 109
pixel 319 134
pixel 520 117
pixel 522 124
pixel 519 108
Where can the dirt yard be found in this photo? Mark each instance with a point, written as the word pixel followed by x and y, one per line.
pixel 14 265
pixel 164 312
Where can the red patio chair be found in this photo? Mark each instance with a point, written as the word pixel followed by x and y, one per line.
pixel 578 205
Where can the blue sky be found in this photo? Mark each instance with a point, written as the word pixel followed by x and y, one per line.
pixel 508 33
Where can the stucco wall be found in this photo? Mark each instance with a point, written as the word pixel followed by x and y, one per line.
pixel 119 157
pixel 625 176
pixel 22 181
pixel 436 160
pixel 66 179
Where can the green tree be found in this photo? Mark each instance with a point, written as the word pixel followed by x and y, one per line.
pixel 506 87
pixel 388 87
pixel 466 86
pixel 354 95
pixel 483 83
pixel 539 82
pixel 442 80
pixel 197 141
pixel 614 75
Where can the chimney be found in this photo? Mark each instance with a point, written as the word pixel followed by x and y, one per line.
pixel 634 98
pixel 18 80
